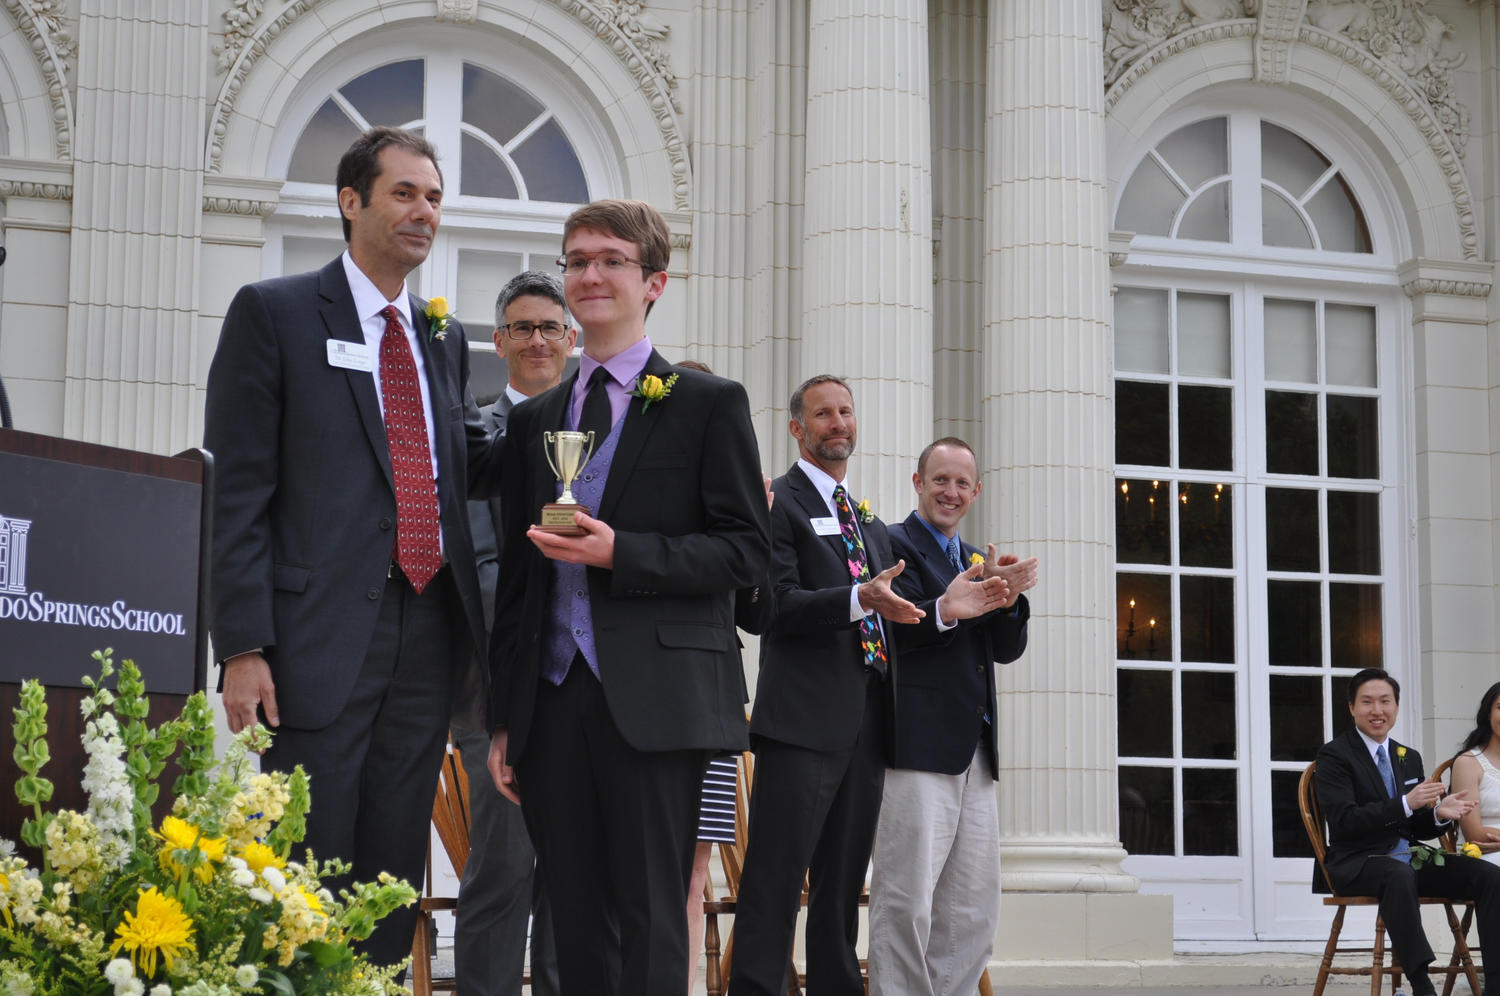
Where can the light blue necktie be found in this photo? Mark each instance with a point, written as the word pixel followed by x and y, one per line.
pixel 1402 850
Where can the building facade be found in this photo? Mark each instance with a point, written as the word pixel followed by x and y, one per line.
pixel 1208 285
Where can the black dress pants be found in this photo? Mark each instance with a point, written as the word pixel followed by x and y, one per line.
pixel 811 812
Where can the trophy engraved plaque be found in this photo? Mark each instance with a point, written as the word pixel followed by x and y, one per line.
pixel 566 453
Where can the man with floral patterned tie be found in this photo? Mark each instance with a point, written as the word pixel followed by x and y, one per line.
pixel 346 603
pixel 819 721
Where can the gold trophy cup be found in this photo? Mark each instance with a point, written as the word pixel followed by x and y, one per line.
pixel 566 452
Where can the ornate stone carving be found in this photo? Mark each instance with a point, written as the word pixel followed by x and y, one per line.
pixel 681 240
pixel 30 188
pixel 239 26
pixel 458 11
pixel 1279 21
pixel 1405 35
pixel 1396 86
pixel 239 206
pixel 1134 27
pixel 42 24
pixel 1452 288
pixel 249 53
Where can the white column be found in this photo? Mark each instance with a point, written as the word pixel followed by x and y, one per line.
pixel 138 189
pixel 1458 476
pixel 867 274
pixel 1048 453
pixel 958 31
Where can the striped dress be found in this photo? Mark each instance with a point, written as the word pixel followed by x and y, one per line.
pixel 716 810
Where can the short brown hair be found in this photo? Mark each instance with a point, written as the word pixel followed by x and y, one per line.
pixel 633 221
pixel 360 164
pixel 795 405
pixel 953 441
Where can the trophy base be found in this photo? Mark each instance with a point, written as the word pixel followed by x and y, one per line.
pixel 557 518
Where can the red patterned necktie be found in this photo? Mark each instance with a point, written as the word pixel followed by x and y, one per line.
pixel 419 550
pixel 859 569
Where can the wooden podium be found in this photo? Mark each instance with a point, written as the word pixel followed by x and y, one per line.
pixel 99 548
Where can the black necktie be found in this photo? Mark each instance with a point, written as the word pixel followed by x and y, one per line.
pixel 595 417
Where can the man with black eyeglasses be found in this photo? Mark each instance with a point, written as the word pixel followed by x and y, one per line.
pixel 501 885
pixel 615 670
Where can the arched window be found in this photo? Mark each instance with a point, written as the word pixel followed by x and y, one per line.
pixel 1257 502
pixel 519 151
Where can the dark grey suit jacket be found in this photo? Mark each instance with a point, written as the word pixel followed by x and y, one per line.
pixel 304 506
pixel 812 685
pixel 470 702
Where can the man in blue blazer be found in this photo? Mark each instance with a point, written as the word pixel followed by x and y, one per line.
pixel 820 723
pixel 346 604
pixel 935 887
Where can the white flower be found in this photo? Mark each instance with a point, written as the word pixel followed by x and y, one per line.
pixel 259 895
pixel 117 971
pixel 246 976
pixel 131 987
pixel 161 990
pixel 242 877
pixel 237 863
pixel 274 878
pixel 7 847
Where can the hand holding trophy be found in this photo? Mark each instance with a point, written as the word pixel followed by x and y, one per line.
pixel 567 453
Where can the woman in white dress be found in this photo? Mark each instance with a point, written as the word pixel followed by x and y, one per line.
pixel 1476 770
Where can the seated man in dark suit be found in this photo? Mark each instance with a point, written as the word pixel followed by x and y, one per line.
pixel 1373 794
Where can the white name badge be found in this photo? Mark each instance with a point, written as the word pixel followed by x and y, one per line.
pixel 349 355
pixel 826 527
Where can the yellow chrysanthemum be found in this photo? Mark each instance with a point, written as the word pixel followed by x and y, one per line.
pixel 158 926
pixel 180 835
pixel 976 558
pixel 1471 849
pixel 260 857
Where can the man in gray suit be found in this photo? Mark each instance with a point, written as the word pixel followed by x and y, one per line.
pixel 346 607
pixel 534 335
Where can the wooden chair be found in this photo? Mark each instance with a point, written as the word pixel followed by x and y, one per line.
pixel 732 859
pixel 1460 963
pixel 450 815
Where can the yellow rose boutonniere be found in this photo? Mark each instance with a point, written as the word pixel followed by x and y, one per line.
pixel 1401 753
pixel 651 389
pixel 866 514
pixel 439 316
pixel 976 558
pixel 1471 850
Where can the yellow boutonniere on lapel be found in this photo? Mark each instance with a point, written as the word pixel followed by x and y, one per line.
pixel 866 514
pixel 651 389
pixel 976 558
pixel 438 317
pixel 1400 753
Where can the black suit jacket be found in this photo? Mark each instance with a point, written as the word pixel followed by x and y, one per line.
pixel 1363 820
pixel 304 506
pixel 946 685
pixel 812 685
pixel 687 504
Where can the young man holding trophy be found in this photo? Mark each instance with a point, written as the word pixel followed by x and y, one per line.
pixel 615 667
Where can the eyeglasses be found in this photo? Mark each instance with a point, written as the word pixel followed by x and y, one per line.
pixel 576 264
pixel 525 330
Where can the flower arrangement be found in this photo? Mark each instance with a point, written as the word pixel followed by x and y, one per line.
pixel 651 389
pixel 864 511
pixel 1422 854
pixel 206 904
pixel 438 316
